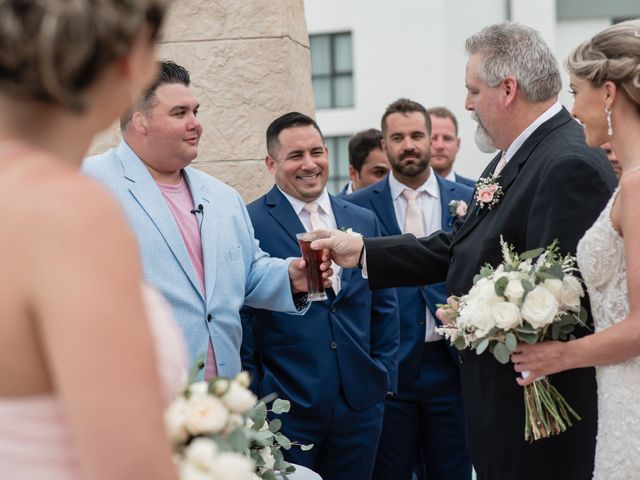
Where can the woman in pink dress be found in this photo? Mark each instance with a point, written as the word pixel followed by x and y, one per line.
pixel 80 392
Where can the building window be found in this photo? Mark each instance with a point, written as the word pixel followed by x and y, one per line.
pixel 332 70
pixel 338 163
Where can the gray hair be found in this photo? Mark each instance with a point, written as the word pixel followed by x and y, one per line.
pixel 511 49
pixel 614 55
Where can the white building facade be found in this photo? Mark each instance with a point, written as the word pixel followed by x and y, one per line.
pixel 367 53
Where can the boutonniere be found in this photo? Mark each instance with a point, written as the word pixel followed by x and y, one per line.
pixel 458 208
pixel 488 192
pixel 350 231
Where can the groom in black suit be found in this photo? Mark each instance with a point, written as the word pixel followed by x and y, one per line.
pixel 553 186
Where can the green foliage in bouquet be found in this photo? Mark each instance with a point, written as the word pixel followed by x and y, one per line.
pixel 530 297
pixel 220 430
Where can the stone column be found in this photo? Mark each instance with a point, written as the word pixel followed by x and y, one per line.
pixel 249 63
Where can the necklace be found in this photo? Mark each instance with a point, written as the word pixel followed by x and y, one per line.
pixel 634 169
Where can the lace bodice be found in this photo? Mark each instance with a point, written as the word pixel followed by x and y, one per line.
pixel 602 262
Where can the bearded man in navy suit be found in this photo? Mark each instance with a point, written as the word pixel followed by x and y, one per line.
pixel 424 422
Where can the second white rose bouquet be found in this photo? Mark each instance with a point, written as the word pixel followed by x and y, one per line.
pixel 220 432
pixel 530 297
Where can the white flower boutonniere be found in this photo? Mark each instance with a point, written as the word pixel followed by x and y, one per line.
pixel 350 231
pixel 457 208
pixel 488 192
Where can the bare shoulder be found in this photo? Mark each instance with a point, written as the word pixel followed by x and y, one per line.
pixel 42 201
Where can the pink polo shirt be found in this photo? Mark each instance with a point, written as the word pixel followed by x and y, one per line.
pixel 180 203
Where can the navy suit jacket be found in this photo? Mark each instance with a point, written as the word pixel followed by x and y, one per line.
pixel 465 181
pixel 412 300
pixel 348 342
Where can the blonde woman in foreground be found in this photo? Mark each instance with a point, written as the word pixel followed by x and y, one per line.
pixel 605 81
pixel 80 391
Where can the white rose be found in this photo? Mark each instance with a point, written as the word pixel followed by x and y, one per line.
pixel 571 293
pixel 539 307
pixel 232 466
pixel 525 267
pixel 267 457
pixel 507 315
pixel 554 285
pixel 484 289
pixel 199 388
pixel 175 418
pixel 477 313
pixel 205 414
pixel 201 452
pixel 234 421
pixel 191 472
pixel 244 379
pixel 514 291
pixel 220 386
pixel 239 399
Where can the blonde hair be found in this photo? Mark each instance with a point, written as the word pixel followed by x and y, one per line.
pixel 611 55
pixel 52 50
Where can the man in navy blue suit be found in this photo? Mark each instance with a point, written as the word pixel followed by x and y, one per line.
pixel 338 362
pixel 423 423
pixel 368 163
pixel 445 145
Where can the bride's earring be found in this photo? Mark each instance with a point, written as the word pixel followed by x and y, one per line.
pixel 609 127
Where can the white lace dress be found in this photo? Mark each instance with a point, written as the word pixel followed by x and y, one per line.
pixel 602 262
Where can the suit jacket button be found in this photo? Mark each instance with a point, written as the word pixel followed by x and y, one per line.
pixel 460 359
pixel 422 321
pixel 332 308
pixel 209 317
pixel 452 258
pixel 334 346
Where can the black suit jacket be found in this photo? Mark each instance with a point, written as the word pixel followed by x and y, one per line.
pixel 554 187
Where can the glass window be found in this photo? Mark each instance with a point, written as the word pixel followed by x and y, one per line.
pixel 338 163
pixel 332 70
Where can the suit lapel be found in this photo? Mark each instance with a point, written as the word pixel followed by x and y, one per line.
pixel 382 205
pixel 344 219
pixel 511 170
pixel 284 215
pixel 148 195
pixel 208 229
pixel 446 195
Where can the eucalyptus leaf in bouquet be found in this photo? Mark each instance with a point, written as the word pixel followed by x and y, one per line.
pixel 530 297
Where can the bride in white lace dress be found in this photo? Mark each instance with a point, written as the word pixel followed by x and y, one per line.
pixel 605 80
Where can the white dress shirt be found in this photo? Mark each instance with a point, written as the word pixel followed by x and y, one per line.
pixel 429 202
pixel 526 133
pixel 326 215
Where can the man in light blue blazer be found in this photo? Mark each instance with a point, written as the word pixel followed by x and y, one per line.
pixel 195 236
pixel 424 423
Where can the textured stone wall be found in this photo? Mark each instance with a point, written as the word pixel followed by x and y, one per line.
pixel 249 63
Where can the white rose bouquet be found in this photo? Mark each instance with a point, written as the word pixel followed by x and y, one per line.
pixel 529 298
pixel 220 432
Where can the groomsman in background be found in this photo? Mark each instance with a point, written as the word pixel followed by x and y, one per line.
pixel 368 163
pixel 338 365
pixel 427 411
pixel 445 145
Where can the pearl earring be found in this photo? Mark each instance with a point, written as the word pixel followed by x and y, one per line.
pixel 609 127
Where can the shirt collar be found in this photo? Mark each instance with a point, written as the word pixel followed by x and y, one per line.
pixel 323 201
pixel 430 186
pixel 520 139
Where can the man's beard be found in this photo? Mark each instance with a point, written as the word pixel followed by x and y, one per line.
pixel 411 170
pixel 481 136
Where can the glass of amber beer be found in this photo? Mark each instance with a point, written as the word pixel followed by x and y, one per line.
pixel 313 259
